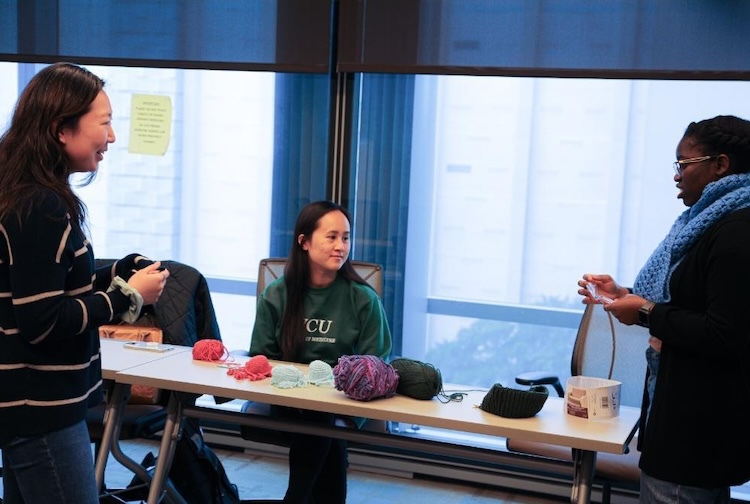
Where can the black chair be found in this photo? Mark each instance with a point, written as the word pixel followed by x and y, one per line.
pixel 185 315
pixel 604 348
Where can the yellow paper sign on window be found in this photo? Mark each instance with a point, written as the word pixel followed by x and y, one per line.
pixel 150 124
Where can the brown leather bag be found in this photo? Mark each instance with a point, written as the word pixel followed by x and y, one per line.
pixel 139 394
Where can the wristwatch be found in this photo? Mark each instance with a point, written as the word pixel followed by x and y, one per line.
pixel 644 313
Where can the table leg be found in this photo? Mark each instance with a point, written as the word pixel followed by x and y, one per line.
pixel 583 475
pixel 112 419
pixel 166 450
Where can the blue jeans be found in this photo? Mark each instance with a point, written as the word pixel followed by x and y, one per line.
pixel 654 491
pixel 57 467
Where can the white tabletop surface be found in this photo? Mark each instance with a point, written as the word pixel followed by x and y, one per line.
pixel 115 357
pixel 179 372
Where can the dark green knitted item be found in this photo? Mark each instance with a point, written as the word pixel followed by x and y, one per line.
pixel 514 403
pixel 417 379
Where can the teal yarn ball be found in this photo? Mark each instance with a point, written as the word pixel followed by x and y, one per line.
pixel 321 374
pixel 287 376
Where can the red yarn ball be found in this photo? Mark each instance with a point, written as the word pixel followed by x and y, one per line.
pixel 210 350
pixel 257 368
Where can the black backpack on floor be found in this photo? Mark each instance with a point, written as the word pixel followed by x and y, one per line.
pixel 196 472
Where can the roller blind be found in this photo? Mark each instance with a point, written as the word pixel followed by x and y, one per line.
pixel 274 35
pixel 581 38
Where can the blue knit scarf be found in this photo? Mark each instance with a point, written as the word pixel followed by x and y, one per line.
pixel 719 198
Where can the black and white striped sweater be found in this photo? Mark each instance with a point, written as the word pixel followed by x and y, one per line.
pixel 51 303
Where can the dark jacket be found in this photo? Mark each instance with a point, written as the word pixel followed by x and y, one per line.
pixel 184 312
pixel 697 433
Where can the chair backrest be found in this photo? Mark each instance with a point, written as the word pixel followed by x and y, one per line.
pixel 606 348
pixel 185 311
pixel 271 268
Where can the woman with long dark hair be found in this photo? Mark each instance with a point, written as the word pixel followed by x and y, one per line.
pixel 51 298
pixel 320 309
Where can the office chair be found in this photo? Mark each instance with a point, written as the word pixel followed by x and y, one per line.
pixel 185 315
pixel 272 268
pixel 604 348
pixel 269 270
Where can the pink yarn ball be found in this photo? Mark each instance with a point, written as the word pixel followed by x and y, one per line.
pixel 365 377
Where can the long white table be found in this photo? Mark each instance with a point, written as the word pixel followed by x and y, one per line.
pixel 179 373
pixel 116 358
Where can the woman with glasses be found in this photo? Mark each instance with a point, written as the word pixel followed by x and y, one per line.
pixel 692 295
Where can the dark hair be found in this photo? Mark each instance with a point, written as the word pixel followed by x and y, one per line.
pixel 32 159
pixel 725 134
pixel 297 277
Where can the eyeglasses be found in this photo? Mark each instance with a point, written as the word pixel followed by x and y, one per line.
pixel 679 166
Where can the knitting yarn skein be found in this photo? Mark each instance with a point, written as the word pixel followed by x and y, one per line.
pixel 257 368
pixel 320 373
pixel 365 377
pixel 416 379
pixel 287 376
pixel 210 350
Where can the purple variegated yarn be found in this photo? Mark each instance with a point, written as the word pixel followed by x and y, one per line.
pixel 365 377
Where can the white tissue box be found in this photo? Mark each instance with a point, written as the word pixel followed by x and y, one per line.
pixel 593 398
